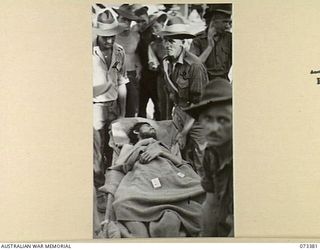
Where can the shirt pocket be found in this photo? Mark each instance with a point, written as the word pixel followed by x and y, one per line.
pixel 225 54
pixel 183 87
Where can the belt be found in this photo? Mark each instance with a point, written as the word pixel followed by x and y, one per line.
pixel 106 103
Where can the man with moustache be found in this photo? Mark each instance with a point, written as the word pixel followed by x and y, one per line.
pixel 214 112
pixel 185 78
pixel 159 194
pixel 109 90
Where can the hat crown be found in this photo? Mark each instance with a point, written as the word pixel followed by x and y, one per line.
pixel 140 10
pixel 105 23
pixel 106 17
pixel 217 89
pixel 126 7
pixel 175 20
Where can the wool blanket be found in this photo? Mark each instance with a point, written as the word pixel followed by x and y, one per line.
pixel 137 199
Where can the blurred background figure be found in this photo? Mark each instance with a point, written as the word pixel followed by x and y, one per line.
pixel 156 53
pixel 129 40
pixel 148 83
pixel 214 45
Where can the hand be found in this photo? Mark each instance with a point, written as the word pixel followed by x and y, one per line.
pixel 152 66
pixel 138 75
pixel 181 140
pixel 150 154
pixel 211 33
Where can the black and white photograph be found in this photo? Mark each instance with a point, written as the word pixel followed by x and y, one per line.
pixel 162 120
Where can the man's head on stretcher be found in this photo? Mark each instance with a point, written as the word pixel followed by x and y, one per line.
pixel 141 130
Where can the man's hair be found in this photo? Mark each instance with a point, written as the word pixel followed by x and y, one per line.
pixel 134 132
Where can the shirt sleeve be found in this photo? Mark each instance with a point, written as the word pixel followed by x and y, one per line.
pixel 199 79
pixel 122 74
pixel 100 83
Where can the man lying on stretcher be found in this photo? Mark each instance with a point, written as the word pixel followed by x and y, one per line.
pixel 158 195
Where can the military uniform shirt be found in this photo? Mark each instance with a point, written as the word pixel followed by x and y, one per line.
pixel 219 60
pixel 189 76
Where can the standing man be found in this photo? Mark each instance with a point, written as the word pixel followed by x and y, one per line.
pixel 214 45
pixel 148 82
pixel 129 40
pixel 109 79
pixel 156 53
pixel 186 78
pixel 214 112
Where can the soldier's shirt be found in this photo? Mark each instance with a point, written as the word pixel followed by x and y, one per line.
pixel 115 74
pixel 218 179
pixel 219 61
pixel 189 76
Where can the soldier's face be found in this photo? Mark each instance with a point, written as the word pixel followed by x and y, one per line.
pixel 143 22
pixel 217 123
pixel 173 47
pixel 147 131
pixel 106 42
pixel 124 22
pixel 222 24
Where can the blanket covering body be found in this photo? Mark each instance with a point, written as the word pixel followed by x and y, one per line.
pixel 137 200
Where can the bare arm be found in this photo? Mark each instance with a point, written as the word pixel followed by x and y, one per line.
pixel 211 32
pixel 122 91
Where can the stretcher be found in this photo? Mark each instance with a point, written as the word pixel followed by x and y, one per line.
pixel 166 133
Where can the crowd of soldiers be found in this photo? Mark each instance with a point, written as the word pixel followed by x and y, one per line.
pixel 137 57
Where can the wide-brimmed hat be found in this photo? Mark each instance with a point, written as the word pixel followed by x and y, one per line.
pixel 217 91
pixel 105 23
pixel 127 11
pixel 157 17
pixel 176 29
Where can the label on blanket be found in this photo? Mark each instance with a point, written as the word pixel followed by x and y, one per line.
pixel 181 174
pixel 156 183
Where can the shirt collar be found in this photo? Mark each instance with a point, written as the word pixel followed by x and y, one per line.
pixel 181 56
pixel 224 155
pixel 98 52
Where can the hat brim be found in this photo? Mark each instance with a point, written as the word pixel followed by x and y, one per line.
pixel 176 35
pixel 110 32
pixel 127 15
pixel 160 18
pixel 227 12
pixel 196 109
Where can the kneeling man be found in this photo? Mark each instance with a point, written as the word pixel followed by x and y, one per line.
pixel 214 112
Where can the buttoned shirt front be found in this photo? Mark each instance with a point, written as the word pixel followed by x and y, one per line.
pixel 219 60
pixel 218 179
pixel 115 75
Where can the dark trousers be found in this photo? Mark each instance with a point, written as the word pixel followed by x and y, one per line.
pixel 148 89
pixel 194 149
pixel 102 157
pixel 132 106
pixel 165 103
